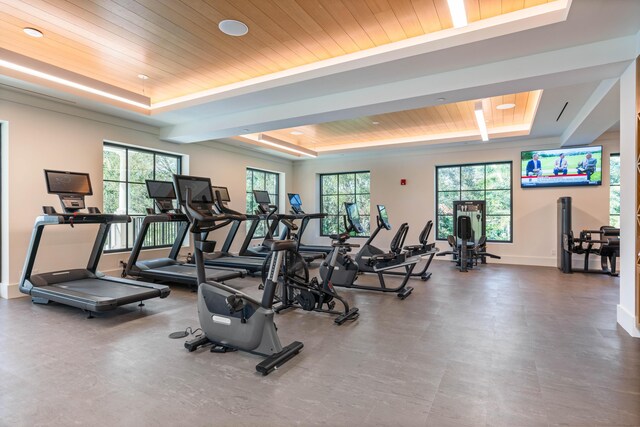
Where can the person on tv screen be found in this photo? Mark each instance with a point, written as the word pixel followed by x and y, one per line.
pixel 588 166
pixel 534 166
pixel 560 165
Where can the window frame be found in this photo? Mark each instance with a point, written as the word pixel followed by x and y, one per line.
pixel 611 155
pixel 367 234
pixel 258 235
pixel 485 164
pixel 128 148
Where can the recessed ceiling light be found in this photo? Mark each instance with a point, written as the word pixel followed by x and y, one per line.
pixel 143 76
pixel 296 132
pixel 33 32
pixel 441 99
pixel 505 106
pixel 231 27
pixel 375 123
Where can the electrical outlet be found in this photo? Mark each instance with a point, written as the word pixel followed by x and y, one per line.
pixel 553 252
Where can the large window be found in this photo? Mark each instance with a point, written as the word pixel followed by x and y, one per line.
pixel 614 190
pixel 265 181
pixel 125 170
pixel 338 188
pixel 481 181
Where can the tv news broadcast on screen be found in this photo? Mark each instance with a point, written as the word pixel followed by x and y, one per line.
pixel 570 166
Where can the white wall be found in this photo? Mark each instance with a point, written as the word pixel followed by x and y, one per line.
pixel 39 134
pixel 534 211
pixel 628 173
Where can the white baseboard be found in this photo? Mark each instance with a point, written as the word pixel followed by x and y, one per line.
pixel 10 290
pixel 551 261
pixel 514 260
pixel 628 321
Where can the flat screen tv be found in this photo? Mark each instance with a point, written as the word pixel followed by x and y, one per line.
pixel 561 167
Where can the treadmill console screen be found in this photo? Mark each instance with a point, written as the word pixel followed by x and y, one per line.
pixel 224 194
pixel 160 190
pixel 262 197
pixel 354 216
pixel 60 182
pixel 296 203
pixel 384 217
pixel 295 200
pixel 200 189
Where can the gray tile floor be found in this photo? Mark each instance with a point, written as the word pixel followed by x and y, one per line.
pixel 500 346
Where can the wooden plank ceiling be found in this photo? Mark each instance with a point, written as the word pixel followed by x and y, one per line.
pixel 178 45
pixel 451 122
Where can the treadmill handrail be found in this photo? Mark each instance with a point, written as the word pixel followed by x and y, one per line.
pixel 83 218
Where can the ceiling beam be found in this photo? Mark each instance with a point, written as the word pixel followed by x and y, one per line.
pixel 584 63
pixel 597 115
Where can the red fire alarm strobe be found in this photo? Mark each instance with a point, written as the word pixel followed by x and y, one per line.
pixel 403 182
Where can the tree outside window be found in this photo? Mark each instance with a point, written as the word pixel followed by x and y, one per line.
pixel 125 170
pixel 338 188
pixel 266 181
pixel 491 182
pixel 614 190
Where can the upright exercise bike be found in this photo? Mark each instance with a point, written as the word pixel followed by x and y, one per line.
pixel 230 319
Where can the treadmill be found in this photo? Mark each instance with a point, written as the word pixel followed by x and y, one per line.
pixel 267 211
pixel 85 288
pixel 224 257
pixel 296 208
pixel 169 269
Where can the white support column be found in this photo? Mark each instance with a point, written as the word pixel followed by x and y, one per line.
pixel 628 186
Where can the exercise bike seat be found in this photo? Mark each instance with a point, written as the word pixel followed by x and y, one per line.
pixel 280 245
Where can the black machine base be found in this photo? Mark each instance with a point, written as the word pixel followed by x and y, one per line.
pixel 268 365
pixel 405 292
pixel 352 314
pixel 278 359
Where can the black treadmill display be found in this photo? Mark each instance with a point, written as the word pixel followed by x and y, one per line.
pixel 160 190
pixel 354 216
pixel 60 182
pixel 262 197
pixel 200 189
pixel 384 217
pixel 224 193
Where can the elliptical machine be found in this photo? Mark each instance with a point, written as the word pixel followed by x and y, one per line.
pixel 230 319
